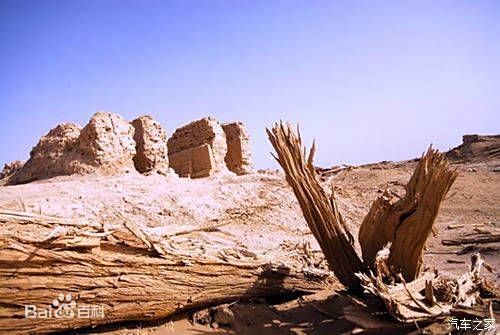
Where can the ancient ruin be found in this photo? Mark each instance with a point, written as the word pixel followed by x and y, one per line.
pixel 109 144
pixel 107 141
pixel 151 145
pixel 193 137
pixel 195 162
pixel 239 155
pixel 204 147
pixel 10 168
pixel 105 144
pixel 54 155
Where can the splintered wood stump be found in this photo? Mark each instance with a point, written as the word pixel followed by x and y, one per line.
pixel 407 223
pixel 127 273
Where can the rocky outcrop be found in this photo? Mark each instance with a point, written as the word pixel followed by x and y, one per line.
pixel 476 148
pixel 194 135
pixel 151 145
pixel 239 154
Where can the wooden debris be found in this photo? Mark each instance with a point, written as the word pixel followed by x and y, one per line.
pixel 407 223
pixel 128 278
pixel 392 236
pixel 431 296
pixel 320 211
pixel 478 239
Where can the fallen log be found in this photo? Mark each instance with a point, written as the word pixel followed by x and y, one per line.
pixel 52 269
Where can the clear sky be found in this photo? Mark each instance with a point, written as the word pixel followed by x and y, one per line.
pixel 370 80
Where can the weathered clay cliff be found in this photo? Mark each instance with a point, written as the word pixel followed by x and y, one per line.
pixel 476 148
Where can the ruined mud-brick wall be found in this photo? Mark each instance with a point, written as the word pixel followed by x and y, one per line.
pixel 190 145
pixel 54 155
pixel 107 141
pixel 151 145
pixel 106 145
pixel 11 168
pixel 239 154
pixel 109 144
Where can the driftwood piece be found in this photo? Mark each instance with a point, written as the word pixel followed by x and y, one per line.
pixel 404 301
pixel 319 210
pixel 130 275
pixel 432 297
pixel 407 223
pixel 477 239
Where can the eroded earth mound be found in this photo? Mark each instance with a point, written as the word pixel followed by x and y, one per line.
pixel 105 144
pixel 239 154
pixel 55 154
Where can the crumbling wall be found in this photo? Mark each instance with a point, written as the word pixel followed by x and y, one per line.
pixel 151 145
pixel 110 144
pixel 196 134
pixel 54 155
pixel 239 154
pixel 108 141
pixel 106 144
pixel 195 162
pixel 10 168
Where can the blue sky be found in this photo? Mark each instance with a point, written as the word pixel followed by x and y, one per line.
pixel 370 80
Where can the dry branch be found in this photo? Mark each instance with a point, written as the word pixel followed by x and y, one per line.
pixel 132 275
pixel 320 211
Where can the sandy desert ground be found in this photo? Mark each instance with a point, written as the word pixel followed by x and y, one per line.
pixel 259 212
